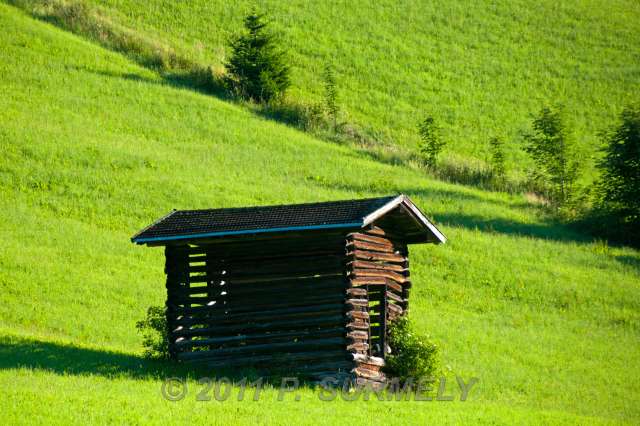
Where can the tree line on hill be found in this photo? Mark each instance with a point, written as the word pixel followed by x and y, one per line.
pixel 257 70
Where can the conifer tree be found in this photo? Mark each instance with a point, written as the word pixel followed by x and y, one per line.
pixel 257 66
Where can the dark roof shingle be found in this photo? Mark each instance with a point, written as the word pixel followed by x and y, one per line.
pixel 183 224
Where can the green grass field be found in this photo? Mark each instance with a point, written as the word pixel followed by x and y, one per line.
pixel 480 69
pixel 95 146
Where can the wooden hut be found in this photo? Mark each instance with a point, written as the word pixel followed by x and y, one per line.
pixel 309 288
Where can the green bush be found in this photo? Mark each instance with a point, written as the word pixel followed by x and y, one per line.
pixel 155 333
pixel 432 143
pixel 552 149
pixel 412 355
pixel 257 67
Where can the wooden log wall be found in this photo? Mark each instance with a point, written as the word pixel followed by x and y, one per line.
pixel 266 304
pixel 378 272
pixel 313 304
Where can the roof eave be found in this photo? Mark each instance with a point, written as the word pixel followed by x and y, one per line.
pixel 159 240
pixel 134 238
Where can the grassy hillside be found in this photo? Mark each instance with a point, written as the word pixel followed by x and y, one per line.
pixel 480 69
pixel 95 146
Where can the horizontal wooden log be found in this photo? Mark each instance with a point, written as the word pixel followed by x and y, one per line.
pixel 256 278
pixel 362 245
pixel 302 345
pixel 356 292
pixel 363 264
pixel 368 359
pixel 366 373
pixel 358 315
pixel 262 315
pixel 273 325
pixel 184 305
pixel 305 284
pixel 363 273
pixel 358 334
pixel 315 265
pixel 392 296
pixel 371 239
pixel 371 367
pixel 271 337
pixel 395 308
pixel 246 245
pixel 375 230
pixel 375 281
pixel 251 304
pixel 265 249
pixel 357 302
pixel 358 347
pixel 357 325
pixel 358 282
pixel 370 255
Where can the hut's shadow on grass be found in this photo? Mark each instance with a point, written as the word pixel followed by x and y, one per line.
pixel 67 359
pixel 60 358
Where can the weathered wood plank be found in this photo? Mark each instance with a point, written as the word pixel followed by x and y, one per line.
pixel 363 264
pixel 363 273
pixel 357 302
pixel 362 245
pixel 263 315
pixel 391 295
pixel 358 315
pixel 357 325
pixel 265 326
pixel 373 281
pixel 369 255
pixel 272 336
pixel 302 345
pixel 371 239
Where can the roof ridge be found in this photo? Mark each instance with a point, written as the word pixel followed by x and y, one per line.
pixel 390 197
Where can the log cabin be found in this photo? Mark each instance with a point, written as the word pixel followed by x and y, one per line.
pixel 306 288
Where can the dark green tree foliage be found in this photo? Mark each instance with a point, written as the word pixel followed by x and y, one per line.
pixel 257 66
pixel 412 355
pixel 619 186
pixel 497 158
pixel 553 150
pixel 432 143
pixel 155 333
pixel 331 95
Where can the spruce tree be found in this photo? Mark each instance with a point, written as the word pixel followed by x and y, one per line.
pixel 257 68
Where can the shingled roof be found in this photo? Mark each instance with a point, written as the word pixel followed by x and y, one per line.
pixel 215 223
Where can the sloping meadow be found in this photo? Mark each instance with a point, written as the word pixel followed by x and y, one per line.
pixel 95 146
